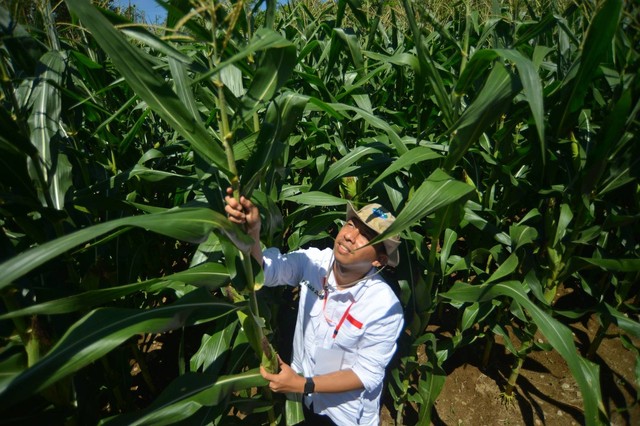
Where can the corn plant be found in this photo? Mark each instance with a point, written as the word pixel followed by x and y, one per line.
pixel 186 215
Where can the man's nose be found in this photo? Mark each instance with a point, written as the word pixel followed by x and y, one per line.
pixel 352 234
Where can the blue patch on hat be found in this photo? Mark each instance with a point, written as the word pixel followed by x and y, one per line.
pixel 379 213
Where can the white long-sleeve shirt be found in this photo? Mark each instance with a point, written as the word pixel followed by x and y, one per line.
pixel 372 320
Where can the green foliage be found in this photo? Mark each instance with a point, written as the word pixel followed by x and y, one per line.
pixel 501 137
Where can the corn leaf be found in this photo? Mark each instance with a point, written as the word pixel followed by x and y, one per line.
pixel 618 265
pixel 596 47
pixel 46 133
pixel 505 269
pixel 344 166
pixel 414 156
pixel 212 348
pixel 147 84
pixel 316 198
pixel 186 395
pixel 209 275
pixel 496 94
pixel 273 72
pixel 102 330
pixel 558 335
pixel 529 79
pixel 189 224
pixel 439 190
pixel 623 321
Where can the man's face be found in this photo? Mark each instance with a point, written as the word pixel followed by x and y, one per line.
pixel 351 249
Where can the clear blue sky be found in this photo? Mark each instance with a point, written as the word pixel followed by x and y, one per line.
pixel 150 8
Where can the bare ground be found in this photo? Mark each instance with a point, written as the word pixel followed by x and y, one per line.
pixel 545 394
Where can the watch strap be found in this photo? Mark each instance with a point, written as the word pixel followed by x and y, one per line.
pixel 309 386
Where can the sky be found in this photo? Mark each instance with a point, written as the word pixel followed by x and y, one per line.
pixel 150 8
pixel 152 11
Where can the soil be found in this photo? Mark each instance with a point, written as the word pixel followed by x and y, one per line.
pixel 545 393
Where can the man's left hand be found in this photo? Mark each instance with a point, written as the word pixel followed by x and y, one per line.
pixel 286 380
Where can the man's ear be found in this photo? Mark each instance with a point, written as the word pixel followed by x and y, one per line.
pixel 380 261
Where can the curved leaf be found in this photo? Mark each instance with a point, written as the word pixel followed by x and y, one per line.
pixel 505 269
pixel 212 347
pixel 274 70
pixel 623 321
pixel 344 166
pixel 577 263
pixel 354 48
pixel 316 198
pixel 101 331
pixel 281 117
pixel 485 110
pixel 529 79
pixel 597 45
pixel 450 237
pixel 186 395
pixel 558 335
pixel 52 171
pixel 336 110
pixel 437 191
pixel 209 275
pixel 147 84
pixel 414 156
pixel 189 224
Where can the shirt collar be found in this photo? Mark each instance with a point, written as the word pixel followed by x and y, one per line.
pixel 366 282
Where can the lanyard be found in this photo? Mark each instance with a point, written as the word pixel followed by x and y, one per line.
pixel 324 295
pixel 344 315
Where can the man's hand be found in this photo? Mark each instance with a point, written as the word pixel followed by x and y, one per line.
pixel 286 380
pixel 244 212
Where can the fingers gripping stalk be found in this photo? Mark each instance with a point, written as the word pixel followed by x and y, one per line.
pixel 243 212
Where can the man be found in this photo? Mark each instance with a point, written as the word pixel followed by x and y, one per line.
pixel 348 319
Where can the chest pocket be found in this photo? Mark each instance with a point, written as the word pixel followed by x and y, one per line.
pixel 350 334
pixel 348 339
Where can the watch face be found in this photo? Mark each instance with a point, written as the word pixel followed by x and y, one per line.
pixel 309 386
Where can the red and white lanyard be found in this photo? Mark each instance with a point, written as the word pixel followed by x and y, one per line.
pixel 345 315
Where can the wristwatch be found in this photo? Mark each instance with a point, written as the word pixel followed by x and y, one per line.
pixel 309 386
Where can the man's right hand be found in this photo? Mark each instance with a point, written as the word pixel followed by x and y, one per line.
pixel 244 212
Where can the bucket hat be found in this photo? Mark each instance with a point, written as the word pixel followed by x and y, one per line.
pixel 378 219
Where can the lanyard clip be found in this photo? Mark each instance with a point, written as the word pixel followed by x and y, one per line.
pixel 321 294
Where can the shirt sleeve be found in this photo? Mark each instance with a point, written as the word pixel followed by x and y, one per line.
pixel 376 348
pixel 286 269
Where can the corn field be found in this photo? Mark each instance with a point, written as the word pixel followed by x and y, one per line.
pixel 501 134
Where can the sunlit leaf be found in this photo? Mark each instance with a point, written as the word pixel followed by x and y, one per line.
pixel 343 167
pixel 189 224
pixel 101 331
pixel 272 73
pixel 209 275
pixel 147 84
pixel 406 160
pixel 497 93
pixel 597 44
pixel 186 395
pixel 317 198
pixel 437 191
pixel 46 133
pixel 558 335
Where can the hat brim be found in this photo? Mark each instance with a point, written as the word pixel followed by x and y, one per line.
pixel 390 244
